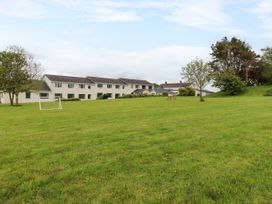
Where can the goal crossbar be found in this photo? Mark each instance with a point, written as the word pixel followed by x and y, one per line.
pixel 58 105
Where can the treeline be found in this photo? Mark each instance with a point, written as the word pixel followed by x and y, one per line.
pixel 234 66
pixel 17 71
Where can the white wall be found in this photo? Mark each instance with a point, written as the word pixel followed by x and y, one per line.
pixel 64 90
pixel 113 90
pixel 203 93
pixel 34 97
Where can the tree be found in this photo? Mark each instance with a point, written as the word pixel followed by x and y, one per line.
pixel 186 91
pixel 198 74
pixel 267 65
pixel 237 56
pixel 17 69
pixel 229 83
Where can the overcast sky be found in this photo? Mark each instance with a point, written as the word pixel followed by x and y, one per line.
pixel 149 39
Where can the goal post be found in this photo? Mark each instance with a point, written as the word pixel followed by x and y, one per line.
pixel 45 104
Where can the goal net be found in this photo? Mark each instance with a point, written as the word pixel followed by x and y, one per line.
pixel 45 104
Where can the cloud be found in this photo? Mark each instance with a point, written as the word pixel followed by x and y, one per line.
pixel 205 14
pixel 263 11
pixel 21 8
pixel 155 65
pixel 102 10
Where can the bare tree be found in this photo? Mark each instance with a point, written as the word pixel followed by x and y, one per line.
pixel 197 73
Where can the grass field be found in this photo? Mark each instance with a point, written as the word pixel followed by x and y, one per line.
pixel 146 150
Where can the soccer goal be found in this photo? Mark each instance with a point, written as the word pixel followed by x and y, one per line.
pixel 45 104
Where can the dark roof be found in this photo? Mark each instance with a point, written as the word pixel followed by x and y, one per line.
pixel 59 78
pixel 174 85
pixel 39 85
pixel 135 81
pixel 105 80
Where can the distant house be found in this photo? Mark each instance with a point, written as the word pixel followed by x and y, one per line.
pixel 204 92
pixel 160 91
pixel 174 87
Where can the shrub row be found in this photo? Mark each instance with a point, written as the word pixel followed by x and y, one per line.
pixel 136 96
pixel 268 92
pixel 70 99
pixel 186 91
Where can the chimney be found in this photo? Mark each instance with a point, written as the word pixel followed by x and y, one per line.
pixel 180 82
pixel 165 82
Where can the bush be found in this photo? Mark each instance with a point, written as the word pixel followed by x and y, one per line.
pixel 268 92
pixel 186 91
pixel 70 99
pixel 229 83
pixel 104 97
pixel 138 96
pixel 164 94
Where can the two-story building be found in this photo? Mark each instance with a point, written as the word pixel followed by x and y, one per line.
pixel 84 88
pixel 70 87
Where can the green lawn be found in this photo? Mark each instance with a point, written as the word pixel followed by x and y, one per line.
pixel 249 92
pixel 146 150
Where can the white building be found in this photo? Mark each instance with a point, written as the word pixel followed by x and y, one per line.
pixel 39 90
pixel 84 88
pixel 174 87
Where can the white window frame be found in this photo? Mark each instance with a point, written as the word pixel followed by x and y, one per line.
pixel 71 85
pixel 58 84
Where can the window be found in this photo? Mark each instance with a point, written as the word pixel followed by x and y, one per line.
pixel 109 95
pixel 70 85
pixel 82 86
pixel 109 86
pixel 81 96
pixel 89 96
pixel 150 87
pixel 117 86
pixel 28 95
pixel 89 86
pixel 117 95
pixel 58 95
pixel 99 94
pixel 44 95
pixel 70 96
pixel 58 84
pixel 137 86
pixel 99 85
pixel 143 87
pixel 123 87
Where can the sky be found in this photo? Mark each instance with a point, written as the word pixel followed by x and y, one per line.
pixel 147 39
